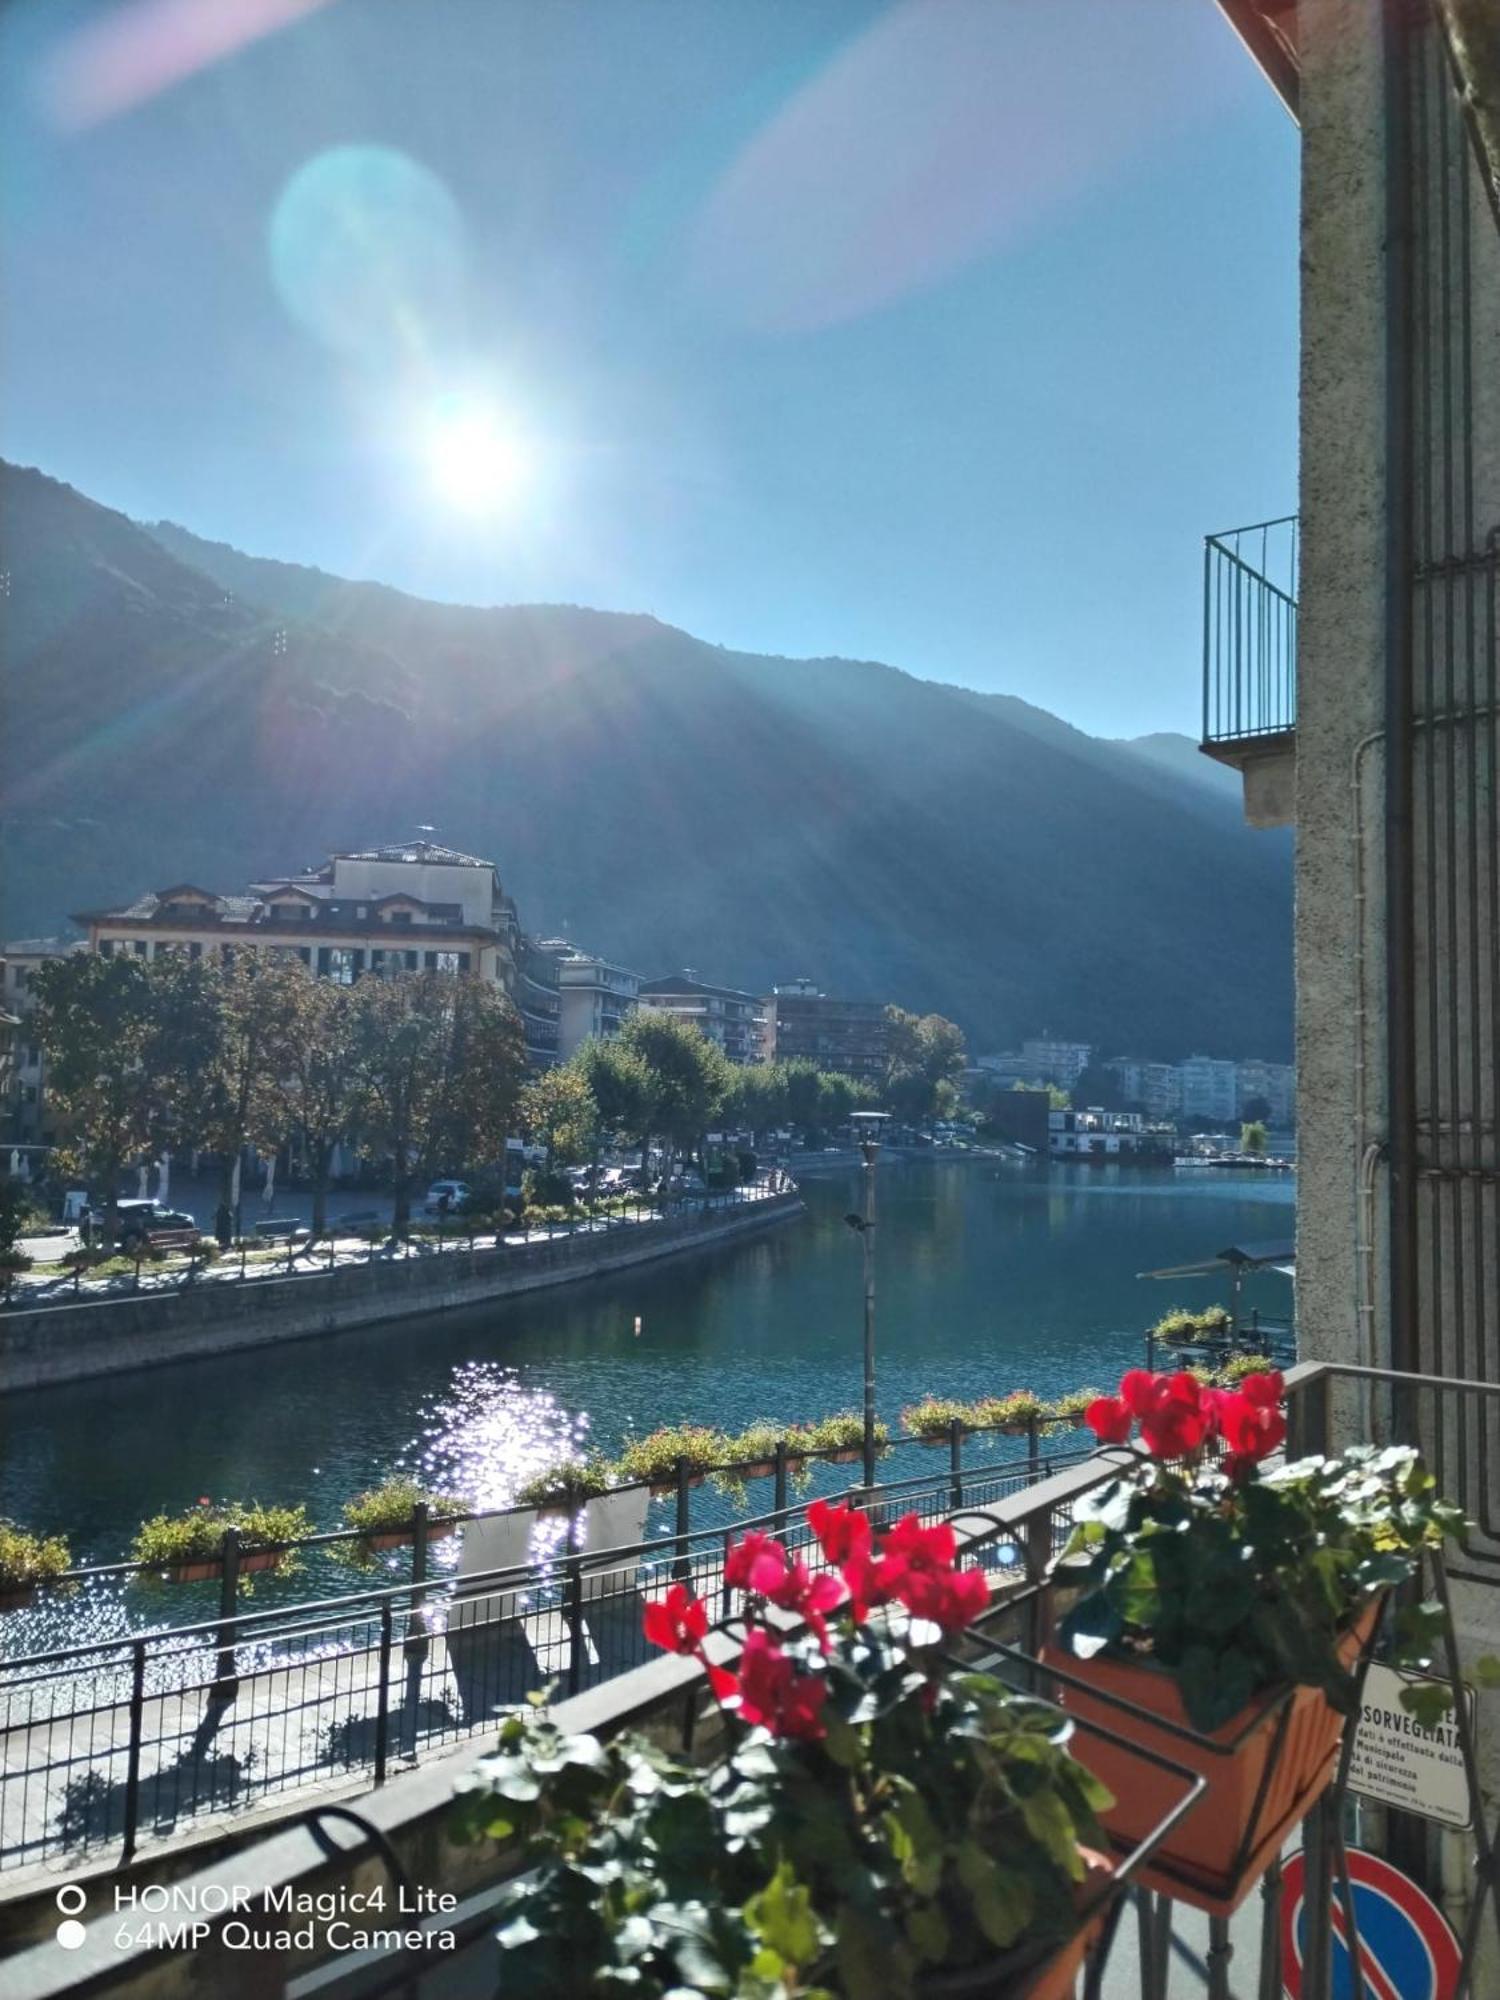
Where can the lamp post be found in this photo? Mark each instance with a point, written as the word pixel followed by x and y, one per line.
pixel 867 1128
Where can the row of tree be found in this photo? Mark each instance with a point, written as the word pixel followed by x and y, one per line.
pixel 426 1071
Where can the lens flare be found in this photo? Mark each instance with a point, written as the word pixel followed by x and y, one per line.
pixel 474 461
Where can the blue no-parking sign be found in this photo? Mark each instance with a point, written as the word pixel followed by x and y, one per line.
pixel 1406 1949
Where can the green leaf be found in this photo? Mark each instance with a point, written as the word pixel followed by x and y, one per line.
pixel 1428 1703
pixel 1003 1899
pixel 782 1917
pixel 928 1930
pixel 1050 1824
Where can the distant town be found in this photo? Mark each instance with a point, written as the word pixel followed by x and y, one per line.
pixel 419 906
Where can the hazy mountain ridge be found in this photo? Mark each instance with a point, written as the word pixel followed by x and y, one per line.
pixel 221 716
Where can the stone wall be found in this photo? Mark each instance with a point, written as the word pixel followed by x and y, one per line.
pixel 105 1337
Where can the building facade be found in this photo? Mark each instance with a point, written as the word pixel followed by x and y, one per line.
pixel 730 1018
pixel 1209 1091
pixel 596 996
pixel 804 1024
pixel 1106 1135
pixel 26 1122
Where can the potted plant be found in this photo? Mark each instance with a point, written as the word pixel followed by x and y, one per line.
pixel 653 1459
pixel 752 1455
pixel 385 1515
pixel 931 1420
pixel 1232 1599
pixel 190 1547
pixel 876 1819
pixel 1238 1366
pixel 1070 1412
pixel 841 1437
pixel 563 1488
pixel 1015 1414
pixel 27 1561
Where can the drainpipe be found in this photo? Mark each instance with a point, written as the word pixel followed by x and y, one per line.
pixel 1399 513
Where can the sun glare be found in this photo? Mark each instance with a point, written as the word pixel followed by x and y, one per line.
pixel 474 462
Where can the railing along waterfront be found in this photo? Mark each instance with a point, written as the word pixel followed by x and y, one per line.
pixel 116 1743
pixel 303 1255
pixel 410 1836
pixel 1250 631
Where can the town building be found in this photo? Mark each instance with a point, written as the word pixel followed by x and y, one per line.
pixel 802 1023
pixel 1056 1062
pixel 1210 1090
pixel 1273 1085
pixel 25 1112
pixel 597 996
pixel 411 907
pixel 1155 1087
pixel 732 1019
pixel 1094 1134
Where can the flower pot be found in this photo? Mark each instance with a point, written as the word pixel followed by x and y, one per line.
pixel 17 1596
pixel 661 1487
pixel 1055 1978
pixel 937 1439
pixel 199 1570
pixel 759 1468
pixel 395 1538
pixel 1258 1790
pixel 847 1455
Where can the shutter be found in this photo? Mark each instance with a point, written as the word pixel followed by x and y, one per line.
pixel 322 960
pixel 463 961
pixel 430 960
pixel 411 961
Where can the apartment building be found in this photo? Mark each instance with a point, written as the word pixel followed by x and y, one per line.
pixel 25 1112
pixel 802 1023
pixel 735 1020
pixel 1155 1086
pixel 1210 1091
pixel 596 995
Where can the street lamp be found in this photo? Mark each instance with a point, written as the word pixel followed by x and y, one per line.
pixel 867 1129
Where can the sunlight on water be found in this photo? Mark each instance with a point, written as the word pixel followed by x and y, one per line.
pixel 486 1435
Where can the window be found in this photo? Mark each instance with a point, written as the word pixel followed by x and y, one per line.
pixel 399 917
pixel 140 947
pixel 106 950
pixel 343 965
pixel 447 961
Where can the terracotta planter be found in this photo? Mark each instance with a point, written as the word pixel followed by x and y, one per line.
pixel 394 1538
pixel 759 1468
pixel 661 1487
pixel 850 1455
pixel 936 1440
pixel 199 1572
pixel 1055 1979
pixel 1254 1789
pixel 17 1596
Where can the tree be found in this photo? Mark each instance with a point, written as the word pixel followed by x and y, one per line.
pixel 559 1112
pixel 619 1083
pixel 318 1070
pixel 125 1046
pixel 923 1052
pixel 248 1007
pixel 440 1059
pixel 689 1076
pixel 1253 1137
pixel 757 1098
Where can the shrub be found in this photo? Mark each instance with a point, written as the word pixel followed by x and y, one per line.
pixel 1016 1411
pixel 394 1502
pixel 654 1458
pixel 27 1559
pixel 935 1416
pixel 167 1540
pixel 844 1431
pixel 568 1483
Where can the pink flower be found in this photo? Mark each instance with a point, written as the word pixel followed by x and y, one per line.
pixel 773 1695
pixel 678 1622
pixel 841 1531
pixel 1110 1419
pixel 756 1562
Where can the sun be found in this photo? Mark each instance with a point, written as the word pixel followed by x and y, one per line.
pixel 474 460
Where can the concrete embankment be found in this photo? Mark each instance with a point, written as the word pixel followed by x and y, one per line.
pixel 69 1343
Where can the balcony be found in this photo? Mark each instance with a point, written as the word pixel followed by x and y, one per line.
pixel 1250 578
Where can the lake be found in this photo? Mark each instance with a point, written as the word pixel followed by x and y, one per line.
pixel 991 1276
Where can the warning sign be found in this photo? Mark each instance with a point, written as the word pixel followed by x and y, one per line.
pixel 1402 1764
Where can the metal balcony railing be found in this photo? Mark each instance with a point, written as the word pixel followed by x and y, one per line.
pixel 1250 632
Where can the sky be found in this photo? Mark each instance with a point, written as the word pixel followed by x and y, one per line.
pixel 936 332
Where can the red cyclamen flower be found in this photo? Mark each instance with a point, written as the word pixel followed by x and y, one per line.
pixel 757 1562
pixel 1252 1431
pixel 1265 1391
pixel 1181 1416
pixel 678 1622
pixel 841 1531
pixel 1110 1419
pixel 774 1695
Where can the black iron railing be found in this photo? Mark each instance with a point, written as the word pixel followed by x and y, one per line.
pixel 1250 632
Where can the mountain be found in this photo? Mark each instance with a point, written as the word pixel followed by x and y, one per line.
pixel 179 710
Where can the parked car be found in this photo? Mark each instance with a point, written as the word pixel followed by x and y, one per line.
pixel 446 1197
pixel 137 1221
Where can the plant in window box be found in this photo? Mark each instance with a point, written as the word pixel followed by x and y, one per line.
pixel 841 1437
pixel 189 1547
pixel 1239 1366
pixel 1233 1598
pixel 1014 1414
pixel 752 1455
pixel 876 1819
pixel 27 1561
pixel 931 1420
pixel 1070 1412
pixel 385 1515
pixel 653 1459
pixel 562 1489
